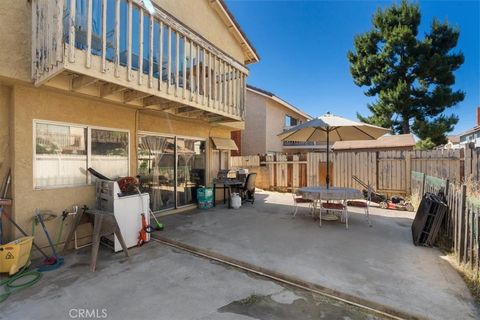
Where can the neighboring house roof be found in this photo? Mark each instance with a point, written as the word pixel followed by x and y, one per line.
pixel 454 139
pixel 390 142
pixel 279 100
pixel 469 131
pixel 233 25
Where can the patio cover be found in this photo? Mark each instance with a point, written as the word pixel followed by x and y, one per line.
pixel 224 144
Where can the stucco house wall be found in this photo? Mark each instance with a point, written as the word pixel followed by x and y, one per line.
pixel 276 114
pixel 254 135
pixel 21 103
pixel 265 119
pixel 31 104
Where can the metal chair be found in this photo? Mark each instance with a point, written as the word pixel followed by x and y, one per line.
pixel 248 191
pixel 340 207
pixel 298 200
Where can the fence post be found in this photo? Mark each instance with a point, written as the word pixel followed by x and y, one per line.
pixel 477 248
pixel 422 189
pixel 467 166
pixel 461 225
pixel 472 232
pixel 408 172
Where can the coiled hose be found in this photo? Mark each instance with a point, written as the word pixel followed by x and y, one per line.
pixel 10 285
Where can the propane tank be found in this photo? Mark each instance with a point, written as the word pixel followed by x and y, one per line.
pixel 236 201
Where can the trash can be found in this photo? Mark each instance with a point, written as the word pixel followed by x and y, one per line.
pixel 205 198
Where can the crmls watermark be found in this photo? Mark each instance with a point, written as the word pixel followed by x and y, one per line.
pixel 84 313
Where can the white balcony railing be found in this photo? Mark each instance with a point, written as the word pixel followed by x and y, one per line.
pixel 152 56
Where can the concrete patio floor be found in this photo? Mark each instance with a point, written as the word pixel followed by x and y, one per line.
pixel 158 282
pixel 378 263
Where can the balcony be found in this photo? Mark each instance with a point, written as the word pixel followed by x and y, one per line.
pixel 120 51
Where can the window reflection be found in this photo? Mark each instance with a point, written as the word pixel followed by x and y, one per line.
pixel 60 155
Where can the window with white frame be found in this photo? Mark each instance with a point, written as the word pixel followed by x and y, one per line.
pixel 64 152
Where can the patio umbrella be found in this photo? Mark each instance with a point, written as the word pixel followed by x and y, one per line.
pixel 330 128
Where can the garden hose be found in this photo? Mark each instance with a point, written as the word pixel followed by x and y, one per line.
pixel 10 285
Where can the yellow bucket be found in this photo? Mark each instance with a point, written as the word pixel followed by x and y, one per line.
pixel 15 254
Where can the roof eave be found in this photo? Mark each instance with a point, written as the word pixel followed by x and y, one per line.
pixel 252 55
pixel 272 96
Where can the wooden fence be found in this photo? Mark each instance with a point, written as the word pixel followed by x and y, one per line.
pixel 386 171
pixel 460 227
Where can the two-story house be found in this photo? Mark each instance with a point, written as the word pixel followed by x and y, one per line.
pixel 266 116
pixel 471 135
pixel 127 87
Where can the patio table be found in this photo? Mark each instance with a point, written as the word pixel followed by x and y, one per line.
pixel 317 193
pixel 332 193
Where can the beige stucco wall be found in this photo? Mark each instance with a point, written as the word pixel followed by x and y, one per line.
pixel 5 101
pixel 15 39
pixel 200 16
pixel 16 19
pixel 22 103
pixel 37 103
pixel 265 119
pixel 254 135
pixel 276 113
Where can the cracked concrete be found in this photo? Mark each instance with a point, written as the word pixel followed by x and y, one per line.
pixel 379 264
pixel 158 282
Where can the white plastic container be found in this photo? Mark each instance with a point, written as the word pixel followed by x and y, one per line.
pixel 236 201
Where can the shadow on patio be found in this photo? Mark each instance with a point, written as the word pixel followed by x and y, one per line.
pixel 378 265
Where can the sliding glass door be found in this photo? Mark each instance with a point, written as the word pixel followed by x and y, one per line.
pixel 171 169
pixel 156 167
pixel 191 169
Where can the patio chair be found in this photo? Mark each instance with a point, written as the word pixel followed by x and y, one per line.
pixel 299 200
pixel 339 207
pixel 248 191
pixel 364 205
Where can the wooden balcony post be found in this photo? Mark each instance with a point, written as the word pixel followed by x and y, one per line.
pixel 140 49
pixel 150 53
pixel 234 100
pixel 129 41
pixel 71 28
pixel 117 38
pixel 237 86
pixel 190 74
pixel 177 60
pixel 210 69
pixel 169 58
pixel 59 32
pixel 184 68
pixel 228 85
pixel 223 79
pixel 244 94
pixel 34 40
pixel 89 34
pixel 240 92
pixel 213 81
pixel 104 36
pixel 197 69
pixel 160 58
pixel 204 69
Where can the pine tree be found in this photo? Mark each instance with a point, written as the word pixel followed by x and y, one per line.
pixel 411 78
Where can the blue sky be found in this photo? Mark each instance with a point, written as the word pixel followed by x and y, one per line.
pixel 303 47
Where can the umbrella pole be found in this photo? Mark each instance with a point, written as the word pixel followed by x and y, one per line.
pixel 327 179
